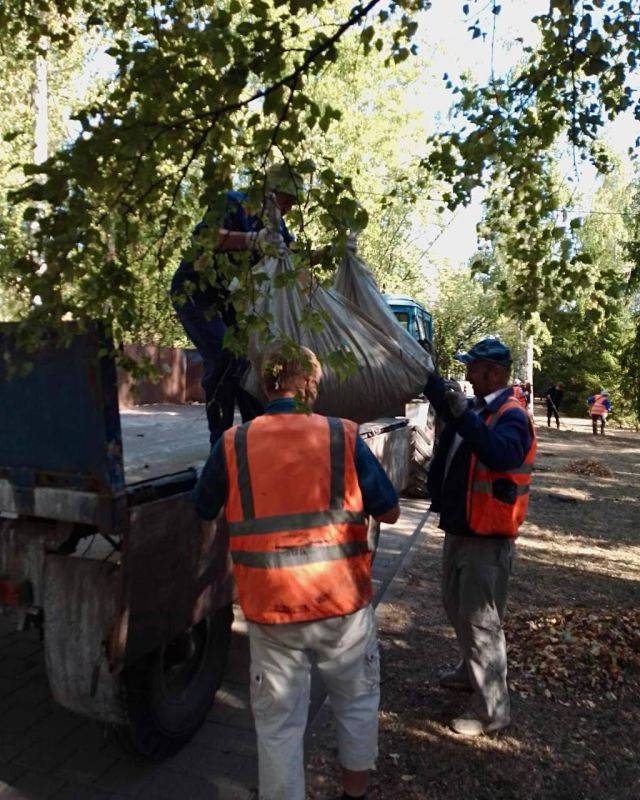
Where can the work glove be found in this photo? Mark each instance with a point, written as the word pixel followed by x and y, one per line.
pixel 265 241
pixel 451 385
pixel 456 401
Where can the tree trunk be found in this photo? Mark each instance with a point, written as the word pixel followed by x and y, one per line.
pixel 40 97
pixel 529 369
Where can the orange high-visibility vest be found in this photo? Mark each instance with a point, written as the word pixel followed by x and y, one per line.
pixel 598 408
pixel 521 397
pixel 297 527
pixel 497 501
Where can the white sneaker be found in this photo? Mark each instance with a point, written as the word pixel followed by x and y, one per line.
pixel 468 724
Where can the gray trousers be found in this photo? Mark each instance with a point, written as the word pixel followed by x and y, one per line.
pixel 475 577
pixel 345 650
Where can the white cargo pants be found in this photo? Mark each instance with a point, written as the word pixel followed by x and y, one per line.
pixel 345 650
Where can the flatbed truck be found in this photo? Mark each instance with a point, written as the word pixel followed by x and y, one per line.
pixel 100 546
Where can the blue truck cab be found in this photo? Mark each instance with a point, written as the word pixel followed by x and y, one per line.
pixel 413 316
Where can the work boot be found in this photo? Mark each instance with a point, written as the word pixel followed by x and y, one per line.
pixel 456 679
pixel 468 724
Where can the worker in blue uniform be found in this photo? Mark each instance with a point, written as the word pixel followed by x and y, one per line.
pixel 201 297
pixel 479 484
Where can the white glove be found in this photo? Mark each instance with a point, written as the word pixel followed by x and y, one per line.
pixel 264 241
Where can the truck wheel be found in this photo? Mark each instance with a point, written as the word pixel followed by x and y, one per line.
pixel 169 693
pixel 422 440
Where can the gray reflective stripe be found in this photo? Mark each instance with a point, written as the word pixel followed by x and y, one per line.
pixel 298 556
pixel 244 478
pixel 336 452
pixel 294 522
pixel 524 469
pixel 485 487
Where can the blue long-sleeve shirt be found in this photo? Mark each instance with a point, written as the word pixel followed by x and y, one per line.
pixel 214 293
pixel 378 494
pixel 501 448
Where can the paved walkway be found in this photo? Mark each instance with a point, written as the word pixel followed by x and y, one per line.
pixel 47 752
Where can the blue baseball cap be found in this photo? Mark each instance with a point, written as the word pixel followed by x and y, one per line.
pixel 487 350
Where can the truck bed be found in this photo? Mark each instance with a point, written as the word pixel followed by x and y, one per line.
pixel 163 440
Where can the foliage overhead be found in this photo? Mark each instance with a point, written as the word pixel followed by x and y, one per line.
pixel 203 94
pixel 506 135
pixel 206 94
pixel 593 339
pixel 467 309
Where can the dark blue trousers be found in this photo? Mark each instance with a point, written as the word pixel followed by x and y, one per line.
pixel 222 371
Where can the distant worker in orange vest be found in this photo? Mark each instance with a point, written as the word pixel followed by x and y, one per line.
pixel 297 489
pixel 599 407
pixel 519 393
pixel 479 483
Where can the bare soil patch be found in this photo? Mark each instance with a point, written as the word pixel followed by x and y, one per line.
pixel 574 640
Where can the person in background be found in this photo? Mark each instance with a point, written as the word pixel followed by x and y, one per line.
pixel 479 484
pixel 553 396
pixel 518 392
pixel 599 407
pixel 528 391
pixel 201 297
pixel 296 490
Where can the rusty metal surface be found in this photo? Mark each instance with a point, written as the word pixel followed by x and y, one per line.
pixel 175 569
pixel 171 363
pixel 81 600
pixel 22 550
pixel 66 505
pixel 194 392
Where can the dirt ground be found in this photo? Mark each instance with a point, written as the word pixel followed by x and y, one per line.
pixel 573 632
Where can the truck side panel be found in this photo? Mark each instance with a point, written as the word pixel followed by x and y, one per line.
pixel 175 569
pixel 60 424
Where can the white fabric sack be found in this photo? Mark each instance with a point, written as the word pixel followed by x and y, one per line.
pixel 386 377
pixel 355 281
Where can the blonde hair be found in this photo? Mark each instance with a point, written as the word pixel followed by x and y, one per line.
pixel 286 366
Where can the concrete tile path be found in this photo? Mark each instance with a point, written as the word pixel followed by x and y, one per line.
pixel 49 753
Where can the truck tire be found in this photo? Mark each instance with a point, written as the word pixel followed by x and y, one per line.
pixel 168 694
pixel 422 441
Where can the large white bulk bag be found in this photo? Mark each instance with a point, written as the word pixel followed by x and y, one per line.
pixel 355 281
pixel 386 376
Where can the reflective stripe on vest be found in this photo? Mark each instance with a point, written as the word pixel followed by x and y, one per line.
pixel 497 501
pixel 598 408
pixel 298 533
pixel 295 556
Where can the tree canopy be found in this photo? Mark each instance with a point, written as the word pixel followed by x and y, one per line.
pixel 204 95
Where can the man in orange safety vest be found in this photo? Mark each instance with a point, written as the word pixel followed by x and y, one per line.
pixel 479 483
